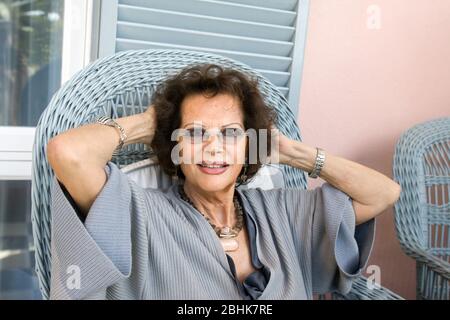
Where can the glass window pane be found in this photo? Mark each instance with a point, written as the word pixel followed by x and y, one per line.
pixel 17 276
pixel 30 58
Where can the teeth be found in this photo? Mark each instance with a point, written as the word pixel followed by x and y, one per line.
pixel 212 166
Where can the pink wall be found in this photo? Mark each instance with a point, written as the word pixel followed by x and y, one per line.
pixel 363 86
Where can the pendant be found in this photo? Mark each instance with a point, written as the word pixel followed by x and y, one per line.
pixel 227 239
pixel 229 244
pixel 227 232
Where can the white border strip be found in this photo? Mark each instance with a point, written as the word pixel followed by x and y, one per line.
pixel 16 145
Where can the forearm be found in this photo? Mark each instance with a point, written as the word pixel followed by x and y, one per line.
pixel 364 185
pixel 95 143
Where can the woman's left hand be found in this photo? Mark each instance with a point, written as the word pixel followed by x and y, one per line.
pixel 279 152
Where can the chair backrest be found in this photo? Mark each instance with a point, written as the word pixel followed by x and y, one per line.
pixel 121 85
pixel 267 177
pixel 422 167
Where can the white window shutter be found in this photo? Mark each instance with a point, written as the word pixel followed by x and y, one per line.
pixel 268 35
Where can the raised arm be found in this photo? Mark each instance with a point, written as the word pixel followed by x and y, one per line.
pixel 372 192
pixel 78 156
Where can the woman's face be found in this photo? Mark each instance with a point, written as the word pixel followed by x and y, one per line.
pixel 224 144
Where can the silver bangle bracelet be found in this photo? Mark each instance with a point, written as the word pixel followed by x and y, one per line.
pixel 110 122
pixel 318 165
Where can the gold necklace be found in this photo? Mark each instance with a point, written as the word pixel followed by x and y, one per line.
pixel 226 234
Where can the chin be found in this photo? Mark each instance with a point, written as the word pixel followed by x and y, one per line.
pixel 213 186
pixel 213 182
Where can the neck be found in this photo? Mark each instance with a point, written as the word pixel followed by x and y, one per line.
pixel 218 206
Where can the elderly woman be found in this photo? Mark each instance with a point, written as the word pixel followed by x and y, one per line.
pixel 205 237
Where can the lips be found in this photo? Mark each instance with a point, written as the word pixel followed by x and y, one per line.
pixel 213 167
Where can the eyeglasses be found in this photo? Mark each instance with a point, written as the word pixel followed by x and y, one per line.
pixel 200 135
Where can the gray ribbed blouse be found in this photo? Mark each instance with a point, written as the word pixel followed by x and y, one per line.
pixel 143 243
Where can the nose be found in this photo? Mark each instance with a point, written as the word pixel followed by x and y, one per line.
pixel 213 143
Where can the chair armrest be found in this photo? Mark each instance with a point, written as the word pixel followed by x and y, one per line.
pixel 437 265
pixel 360 291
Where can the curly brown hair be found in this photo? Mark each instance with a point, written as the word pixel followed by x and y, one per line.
pixel 209 80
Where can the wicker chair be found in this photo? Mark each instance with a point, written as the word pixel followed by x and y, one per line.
pixel 121 85
pixel 422 214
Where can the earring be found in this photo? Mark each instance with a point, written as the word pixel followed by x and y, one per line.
pixel 243 177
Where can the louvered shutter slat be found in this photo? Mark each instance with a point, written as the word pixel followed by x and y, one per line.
pixel 221 9
pixel 200 38
pixel 274 4
pixel 258 61
pixel 188 21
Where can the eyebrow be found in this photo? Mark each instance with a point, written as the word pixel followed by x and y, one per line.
pixel 225 125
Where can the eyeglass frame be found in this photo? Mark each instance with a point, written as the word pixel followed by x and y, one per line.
pixel 206 135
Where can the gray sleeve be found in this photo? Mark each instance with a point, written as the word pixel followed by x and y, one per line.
pixel 339 249
pixel 88 258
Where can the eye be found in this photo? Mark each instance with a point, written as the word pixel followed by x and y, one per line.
pixel 195 133
pixel 232 132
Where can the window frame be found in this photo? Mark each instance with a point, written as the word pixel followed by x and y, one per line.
pixel 80 47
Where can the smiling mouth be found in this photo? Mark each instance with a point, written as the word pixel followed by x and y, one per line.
pixel 213 168
pixel 213 165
